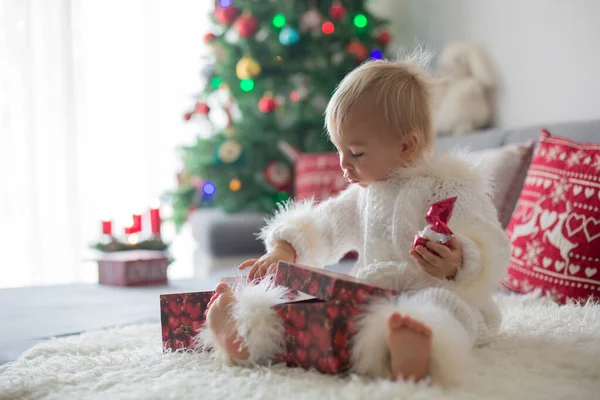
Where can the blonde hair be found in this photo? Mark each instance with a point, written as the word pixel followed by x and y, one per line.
pixel 400 89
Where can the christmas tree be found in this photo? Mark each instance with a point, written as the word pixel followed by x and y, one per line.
pixel 274 65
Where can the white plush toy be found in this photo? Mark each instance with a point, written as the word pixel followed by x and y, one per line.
pixel 463 99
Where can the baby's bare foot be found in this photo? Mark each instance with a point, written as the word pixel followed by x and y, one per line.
pixel 222 325
pixel 409 343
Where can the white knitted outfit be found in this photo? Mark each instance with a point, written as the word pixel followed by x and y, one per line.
pixel 380 221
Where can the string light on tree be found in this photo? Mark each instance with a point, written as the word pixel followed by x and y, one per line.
pixel 288 36
pixel 328 28
pixel 360 21
pixel 216 82
pixel 279 21
pixel 247 84
pixel 209 188
pixel 376 54
pixel 235 185
pixel 224 3
pixel 246 25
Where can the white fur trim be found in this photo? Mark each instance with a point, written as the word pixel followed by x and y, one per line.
pixel 451 345
pixel 293 223
pixel 494 249
pixel 321 234
pixel 258 324
pixel 458 165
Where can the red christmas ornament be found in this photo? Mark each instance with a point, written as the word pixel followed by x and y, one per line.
pixel 384 38
pixel 187 116
pixel 246 25
pixel 226 15
pixel 359 51
pixel 202 108
pixel 209 37
pixel 267 104
pixel 279 175
pixel 337 11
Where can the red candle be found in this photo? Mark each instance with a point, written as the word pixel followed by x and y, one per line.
pixel 155 217
pixel 137 223
pixel 107 227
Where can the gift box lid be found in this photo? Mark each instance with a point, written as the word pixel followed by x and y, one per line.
pixel 328 285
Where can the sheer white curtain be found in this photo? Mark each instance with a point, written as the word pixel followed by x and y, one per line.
pixel 91 100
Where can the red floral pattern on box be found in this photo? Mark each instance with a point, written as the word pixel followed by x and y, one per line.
pixel 328 285
pixel 555 229
pixel 317 335
pixel 181 317
pixel 317 330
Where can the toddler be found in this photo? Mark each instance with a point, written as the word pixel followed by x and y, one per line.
pixel 379 120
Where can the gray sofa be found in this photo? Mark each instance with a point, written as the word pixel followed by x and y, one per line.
pixel 221 235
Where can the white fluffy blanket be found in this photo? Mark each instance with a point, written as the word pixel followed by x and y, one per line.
pixel 544 351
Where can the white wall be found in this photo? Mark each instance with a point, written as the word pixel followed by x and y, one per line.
pixel 546 51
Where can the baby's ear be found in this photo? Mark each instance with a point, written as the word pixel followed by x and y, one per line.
pixel 411 144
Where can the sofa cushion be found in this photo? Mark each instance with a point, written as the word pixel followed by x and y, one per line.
pixel 509 165
pixel 555 229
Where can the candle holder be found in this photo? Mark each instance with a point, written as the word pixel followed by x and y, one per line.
pixel 135 258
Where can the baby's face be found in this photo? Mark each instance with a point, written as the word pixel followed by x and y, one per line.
pixel 368 150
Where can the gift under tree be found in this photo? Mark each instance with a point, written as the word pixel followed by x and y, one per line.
pixel 273 67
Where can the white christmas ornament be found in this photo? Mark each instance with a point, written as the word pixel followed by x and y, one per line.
pixel 311 20
pixel 262 35
pixel 319 102
pixel 230 151
pixel 232 36
pixel 338 58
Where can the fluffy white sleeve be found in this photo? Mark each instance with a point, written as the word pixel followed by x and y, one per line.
pixel 485 246
pixel 320 233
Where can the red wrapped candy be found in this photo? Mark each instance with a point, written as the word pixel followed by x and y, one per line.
pixel 437 219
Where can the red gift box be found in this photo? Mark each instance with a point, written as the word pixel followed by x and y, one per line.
pixel 318 326
pixel 328 285
pixel 133 268
pixel 318 175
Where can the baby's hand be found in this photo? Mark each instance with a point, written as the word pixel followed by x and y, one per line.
pixel 282 251
pixel 445 264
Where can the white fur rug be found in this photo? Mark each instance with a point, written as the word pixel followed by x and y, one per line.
pixel 544 351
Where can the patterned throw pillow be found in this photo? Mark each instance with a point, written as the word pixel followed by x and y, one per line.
pixel 555 229
pixel 510 164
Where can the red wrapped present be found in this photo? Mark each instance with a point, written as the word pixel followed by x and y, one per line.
pixel 327 285
pixel 318 175
pixel 182 314
pixel 133 268
pixel 318 325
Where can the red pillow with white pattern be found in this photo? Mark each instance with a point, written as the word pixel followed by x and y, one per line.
pixel 555 229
